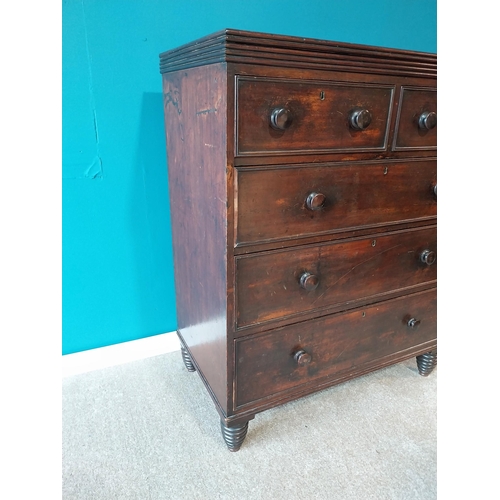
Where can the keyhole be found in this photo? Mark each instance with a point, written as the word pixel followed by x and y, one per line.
pixel 363 314
pixel 386 170
pixel 374 242
pixel 322 95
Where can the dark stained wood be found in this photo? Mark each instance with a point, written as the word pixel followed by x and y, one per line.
pixel 268 284
pixel 195 107
pixel 314 313
pixel 272 202
pixel 188 362
pixel 319 116
pixel 294 74
pixel 426 363
pixel 415 101
pixel 247 248
pixel 266 364
pixel 288 158
pixel 303 214
pixel 234 434
pixel 238 46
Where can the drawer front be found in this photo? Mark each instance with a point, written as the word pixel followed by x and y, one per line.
pixel 284 283
pixel 416 126
pixel 285 359
pixel 283 203
pixel 268 365
pixel 281 116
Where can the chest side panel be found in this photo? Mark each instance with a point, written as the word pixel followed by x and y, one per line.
pixel 195 105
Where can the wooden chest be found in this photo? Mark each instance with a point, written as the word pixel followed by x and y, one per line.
pixel 302 177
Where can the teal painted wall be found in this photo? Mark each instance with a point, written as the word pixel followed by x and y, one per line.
pixel 117 255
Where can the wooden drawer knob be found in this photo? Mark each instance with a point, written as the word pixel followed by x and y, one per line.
pixel 359 119
pixel 427 120
pixel 309 281
pixel 281 118
pixel 302 358
pixel 413 322
pixel 428 257
pixel 315 201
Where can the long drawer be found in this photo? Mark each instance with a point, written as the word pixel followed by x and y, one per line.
pixel 285 115
pixel 333 347
pixel 284 283
pixel 285 203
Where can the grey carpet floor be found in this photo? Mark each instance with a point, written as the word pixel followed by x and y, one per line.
pixel 149 430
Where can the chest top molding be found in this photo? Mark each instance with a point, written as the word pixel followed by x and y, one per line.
pixel 237 46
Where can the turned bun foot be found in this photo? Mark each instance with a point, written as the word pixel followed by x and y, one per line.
pixel 234 435
pixel 426 363
pixel 187 360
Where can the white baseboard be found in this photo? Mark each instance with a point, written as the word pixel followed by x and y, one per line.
pixel 118 354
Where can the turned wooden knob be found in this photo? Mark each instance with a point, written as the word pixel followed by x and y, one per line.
pixel 427 120
pixel 359 119
pixel 413 322
pixel 302 358
pixel 315 201
pixel 428 257
pixel 309 281
pixel 281 118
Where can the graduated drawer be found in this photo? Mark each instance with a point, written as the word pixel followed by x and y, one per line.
pixel 287 202
pixel 285 283
pixel 416 125
pixel 315 116
pixel 333 347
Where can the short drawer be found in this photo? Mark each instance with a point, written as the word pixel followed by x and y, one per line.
pixel 335 347
pixel 285 283
pixel 289 202
pixel 282 116
pixel 416 125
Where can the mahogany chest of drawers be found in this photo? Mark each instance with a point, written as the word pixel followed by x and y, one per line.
pixel 302 178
